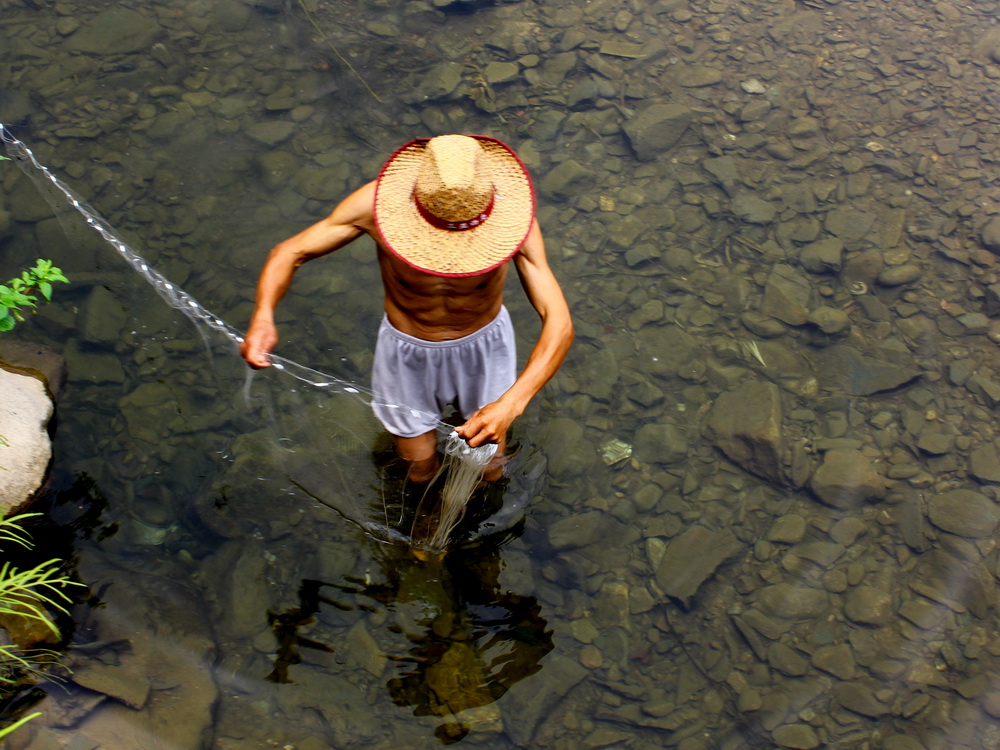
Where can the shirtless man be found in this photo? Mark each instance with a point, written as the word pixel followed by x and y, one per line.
pixel 446 214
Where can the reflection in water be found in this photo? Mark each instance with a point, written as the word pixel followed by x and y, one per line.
pixel 471 640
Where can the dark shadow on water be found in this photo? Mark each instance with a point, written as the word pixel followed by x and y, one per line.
pixel 471 642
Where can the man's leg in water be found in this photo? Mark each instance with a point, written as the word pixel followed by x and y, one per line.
pixel 421 456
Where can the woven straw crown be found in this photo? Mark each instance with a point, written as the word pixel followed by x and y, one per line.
pixel 454 205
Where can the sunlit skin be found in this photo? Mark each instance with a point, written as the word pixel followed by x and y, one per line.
pixel 434 308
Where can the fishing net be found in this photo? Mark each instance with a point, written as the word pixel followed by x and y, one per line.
pixel 257 444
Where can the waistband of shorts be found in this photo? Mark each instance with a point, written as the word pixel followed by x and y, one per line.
pixel 502 318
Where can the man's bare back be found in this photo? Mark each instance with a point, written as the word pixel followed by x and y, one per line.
pixel 427 306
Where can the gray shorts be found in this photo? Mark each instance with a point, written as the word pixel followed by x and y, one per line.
pixel 414 380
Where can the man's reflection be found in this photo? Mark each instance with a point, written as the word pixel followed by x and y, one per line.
pixel 470 640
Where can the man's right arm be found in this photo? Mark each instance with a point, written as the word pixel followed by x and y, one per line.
pixel 347 221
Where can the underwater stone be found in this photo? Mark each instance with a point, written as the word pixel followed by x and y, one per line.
pixel 990 235
pixel 965 513
pixel 786 295
pixel 749 207
pixel 868 605
pixel 845 369
pixel 984 463
pixel 566 179
pixel 860 698
pixel 845 479
pixel 656 129
pixel 656 443
pixel 796 737
pixel 114 31
pixel 745 424
pixel 793 601
pixel 692 558
pixel 578 530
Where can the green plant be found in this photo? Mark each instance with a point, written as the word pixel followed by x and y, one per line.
pixel 20 293
pixel 29 595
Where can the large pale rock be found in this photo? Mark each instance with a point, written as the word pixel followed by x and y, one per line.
pixel 846 478
pixel 786 296
pixel 25 450
pixel 745 424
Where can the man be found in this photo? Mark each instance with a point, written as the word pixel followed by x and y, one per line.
pixel 446 214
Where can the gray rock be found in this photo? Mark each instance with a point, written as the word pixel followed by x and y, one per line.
pixel 848 223
pixel 787 530
pixel 745 424
pixel 763 325
pixel 786 295
pixel 859 697
pixel 823 256
pixel 965 513
pixel 124 682
pixel 696 76
pixel 656 129
pixel 901 742
pixel 93 367
pixel 786 660
pixel 752 209
pixel 102 317
pixel 692 558
pixel 793 601
pixel 440 82
pixel 115 31
pixel 796 736
pixel 659 443
pixel 830 320
pixel 577 530
pixel 868 605
pixel 25 450
pixel 549 687
pixel 566 179
pixel 845 369
pixel 837 660
pixel 845 479
pixel 271 133
pixel 755 110
pixel 993 300
pixel 984 463
pixel 723 170
pixel 990 235
pixel 899 275
pixel 974 323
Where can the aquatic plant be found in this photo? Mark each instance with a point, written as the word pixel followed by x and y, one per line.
pixel 29 595
pixel 20 293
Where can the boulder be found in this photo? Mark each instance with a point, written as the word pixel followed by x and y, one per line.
pixel 25 448
pixel 115 31
pixel 692 558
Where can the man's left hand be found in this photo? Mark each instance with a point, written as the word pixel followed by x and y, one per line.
pixel 488 425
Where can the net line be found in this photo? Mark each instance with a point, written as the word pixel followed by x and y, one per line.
pixel 172 294
pixel 464 465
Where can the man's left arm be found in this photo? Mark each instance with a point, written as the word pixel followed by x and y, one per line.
pixel 490 424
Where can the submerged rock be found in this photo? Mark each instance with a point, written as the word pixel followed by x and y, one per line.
pixel 965 513
pixel 656 129
pixel 691 558
pixel 846 478
pixel 745 424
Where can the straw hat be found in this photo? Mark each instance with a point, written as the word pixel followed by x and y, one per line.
pixel 454 205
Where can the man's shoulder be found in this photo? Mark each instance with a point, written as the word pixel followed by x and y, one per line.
pixel 358 208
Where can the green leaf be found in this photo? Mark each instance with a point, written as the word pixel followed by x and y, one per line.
pixel 7 323
pixel 46 289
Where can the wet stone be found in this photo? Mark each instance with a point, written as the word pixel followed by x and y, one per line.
pixel 693 557
pixel 796 736
pixel 114 31
pixel 271 133
pixel 860 698
pixel 868 605
pixel 984 463
pixel 786 660
pixel 899 275
pixel 965 513
pixel 656 129
pixel 849 224
pixel 753 209
pixel 566 179
pixel 829 320
pixel 793 601
pixel 990 235
pixel 823 256
pixel 578 530
pixel 745 424
pixel 659 443
pixel 836 660
pixel 901 742
pixel 786 296
pixel 788 530
pixel 844 368
pixel 845 479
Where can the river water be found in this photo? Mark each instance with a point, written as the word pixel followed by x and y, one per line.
pixel 755 508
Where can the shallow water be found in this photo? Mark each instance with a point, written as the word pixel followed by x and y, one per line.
pixel 786 312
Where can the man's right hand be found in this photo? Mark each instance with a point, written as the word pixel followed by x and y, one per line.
pixel 261 338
